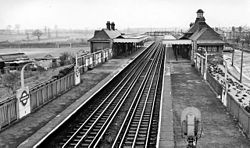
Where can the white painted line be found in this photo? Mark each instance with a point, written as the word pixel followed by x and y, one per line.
pixel 162 91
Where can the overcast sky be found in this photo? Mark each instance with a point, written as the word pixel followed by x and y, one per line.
pixel 93 14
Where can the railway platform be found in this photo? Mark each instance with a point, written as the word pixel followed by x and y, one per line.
pixel 28 131
pixel 183 87
pixel 189 89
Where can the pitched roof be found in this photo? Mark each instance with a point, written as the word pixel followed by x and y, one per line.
pixel 197 25
pixel 200 11
pixel 206 34
pixel 13 57
pixel 112 33
pixel 193 29
pixel 197 34
pixel 105 35
pixel 202 31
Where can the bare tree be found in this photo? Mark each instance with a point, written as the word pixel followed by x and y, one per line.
pixel 237 40
pixel 56 30
pixel 17 28
pixel 10 81
pixel 49 34
pixel 27 35
pixel 9 28
pixel 38 33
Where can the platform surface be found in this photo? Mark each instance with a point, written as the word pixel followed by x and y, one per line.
pixel 219 128
pixel 183 88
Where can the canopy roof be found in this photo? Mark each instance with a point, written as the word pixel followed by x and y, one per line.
pixel 130 38
pixel 177 42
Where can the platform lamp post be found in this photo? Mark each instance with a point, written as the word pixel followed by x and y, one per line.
pixel 22 73
pixel 225 90
pixel 23 96
pixel 205 67
pixel 205 72
pixel 233 57
pixel 241 63
pixel 77 74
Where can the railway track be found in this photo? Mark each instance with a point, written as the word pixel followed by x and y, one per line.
pixel 124 114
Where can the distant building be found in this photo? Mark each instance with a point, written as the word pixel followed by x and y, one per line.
pixel 202 35
pixel 199 35
pixel 121 44
pixel 47 61
pixel 13 61
pixel 236 33
pixel 104 38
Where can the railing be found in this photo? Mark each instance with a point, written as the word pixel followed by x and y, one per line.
pixel 239 113
pixel 91 60
pixel 233 106
pixel 8 111
pixel 49 90
pixel 214 83
pixel 44 94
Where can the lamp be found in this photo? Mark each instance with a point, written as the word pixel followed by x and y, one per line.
pixel 22 73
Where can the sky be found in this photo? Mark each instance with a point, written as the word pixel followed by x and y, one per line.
pixel 93 14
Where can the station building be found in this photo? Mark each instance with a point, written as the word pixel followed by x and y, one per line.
pixel 104 38
pixel 199 35
pixel 13 61
pixel 120 43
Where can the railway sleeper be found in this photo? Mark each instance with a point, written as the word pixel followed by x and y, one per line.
pixel 129 140
pixel 95 130
pixel 92 120
pixel 66 139
pixel 131 132
pixel 140 142
pixel 142 134
pixel 79 136
pixel 87 126
pixel 145 128
pixel 145 119
pixel 134 125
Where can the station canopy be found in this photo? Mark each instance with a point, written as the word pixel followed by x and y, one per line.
pixel 130 38
pixel 169 39
pixel 177 42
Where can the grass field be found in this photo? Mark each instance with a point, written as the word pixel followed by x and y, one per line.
pixel 61 36
pixel 41 52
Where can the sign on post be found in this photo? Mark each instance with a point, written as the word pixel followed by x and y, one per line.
pixel 202 65
pixel 23 101
pixel 91 60
pixel 198 63
pixel 77 75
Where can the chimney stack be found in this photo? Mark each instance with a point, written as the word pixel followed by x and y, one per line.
pixel 113 26
pixel 108 25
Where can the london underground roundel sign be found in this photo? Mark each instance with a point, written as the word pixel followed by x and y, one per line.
pixel 24 97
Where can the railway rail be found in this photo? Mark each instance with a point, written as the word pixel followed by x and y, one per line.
pixel 124 114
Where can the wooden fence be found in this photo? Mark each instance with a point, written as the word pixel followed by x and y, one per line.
pixel 8 111
pixel 47 91
pixel 42 95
